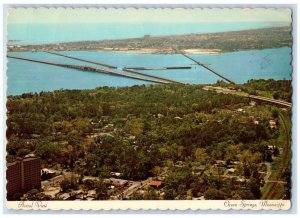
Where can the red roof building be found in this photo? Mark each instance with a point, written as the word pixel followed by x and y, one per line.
pixel 155 184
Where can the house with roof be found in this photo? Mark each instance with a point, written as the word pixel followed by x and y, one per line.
pixel 155 184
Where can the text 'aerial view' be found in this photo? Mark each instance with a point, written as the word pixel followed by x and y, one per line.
pixel 148 104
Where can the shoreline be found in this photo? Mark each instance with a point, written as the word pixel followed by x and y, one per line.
pixel 159 51
pixel 209 43
pixel 154 51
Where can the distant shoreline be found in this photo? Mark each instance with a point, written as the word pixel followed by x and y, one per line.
pixel 208 43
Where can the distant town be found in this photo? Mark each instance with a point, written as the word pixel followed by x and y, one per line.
pixel 190 43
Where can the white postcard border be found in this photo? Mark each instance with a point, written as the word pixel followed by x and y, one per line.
pixel 152 205
pixel 269 205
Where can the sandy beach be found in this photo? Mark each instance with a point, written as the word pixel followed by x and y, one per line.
pixel 202 51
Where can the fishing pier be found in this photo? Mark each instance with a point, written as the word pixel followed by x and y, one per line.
pixel 83 60
pixel 148 75
pixel 203 65
pixel 90 69
pixel 159 68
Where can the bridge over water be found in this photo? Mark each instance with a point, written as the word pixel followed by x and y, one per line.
pixel 91 69
pixel 151 78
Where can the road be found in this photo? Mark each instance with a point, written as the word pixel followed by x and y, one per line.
pixel 280 103
pixel 270 100
pixel 268 174
pixel 137 185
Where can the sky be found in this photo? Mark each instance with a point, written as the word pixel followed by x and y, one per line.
pixel 111 15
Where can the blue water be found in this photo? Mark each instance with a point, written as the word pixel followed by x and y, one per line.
pixel 54 33
pixel 240 66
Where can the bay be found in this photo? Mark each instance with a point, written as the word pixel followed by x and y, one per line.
pixel 23 76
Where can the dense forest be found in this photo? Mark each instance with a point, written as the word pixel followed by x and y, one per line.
pixel 142 131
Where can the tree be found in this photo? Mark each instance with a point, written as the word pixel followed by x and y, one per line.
pixel 276 151
pixel 201 155
pixel 101 190
pixel 156 171
pixel 254 187
pixel 253 92
pixel 231 152
pixel 35 195
pixel 275 113
pixel 65 185
pixel 47 150
pixel 197 186
pixel 276 95
pixel 70 155
pixel 243 195
pixel 169 194
pixel 136 196
pixel 151 194
pixel 23 152
pixel 104 172
pixel 214 194
pixel 89 184
pixel 146 126
pixel 62 126
pixel 178 181
pixel 268 156
pixel 134 126
pixel 249 161
pixel 106 109
pixel 82 125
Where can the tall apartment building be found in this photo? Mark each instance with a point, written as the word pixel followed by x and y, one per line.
pixel 23 175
